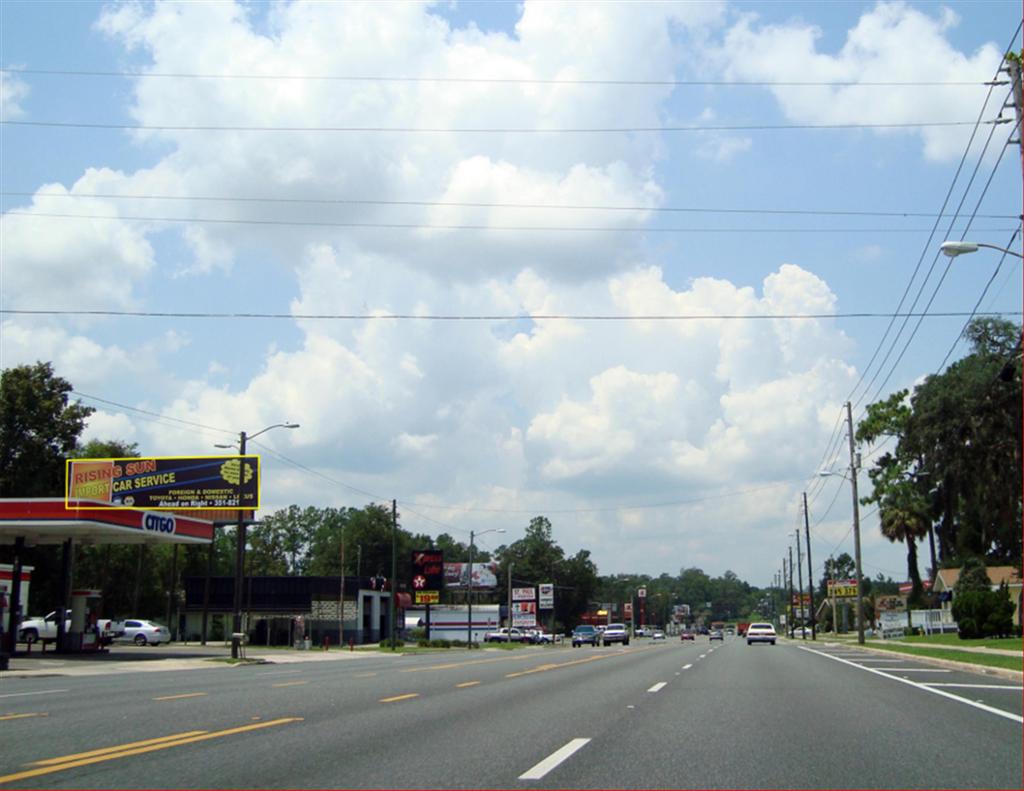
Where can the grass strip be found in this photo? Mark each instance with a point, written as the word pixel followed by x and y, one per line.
pixel 967 657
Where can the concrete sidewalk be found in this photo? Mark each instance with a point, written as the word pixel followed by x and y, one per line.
pixel 150 659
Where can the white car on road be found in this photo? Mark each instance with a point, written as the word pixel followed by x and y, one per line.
pixel 761 633
pixel 144 633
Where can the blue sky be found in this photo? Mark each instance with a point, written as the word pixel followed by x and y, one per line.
pixel 656 444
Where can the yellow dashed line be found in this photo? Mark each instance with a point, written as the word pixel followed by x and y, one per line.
pixel 185 695
pixel 23 716
pixel 364 675
pixel 467 684
pixel 290 684
pixel 400 697
pixel 545 668
pixel 450 665
pixel 126 750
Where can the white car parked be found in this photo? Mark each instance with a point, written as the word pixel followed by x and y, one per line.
pixel 761 633
pixel 144 633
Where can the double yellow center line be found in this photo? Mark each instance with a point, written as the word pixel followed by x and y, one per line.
pixel 65 762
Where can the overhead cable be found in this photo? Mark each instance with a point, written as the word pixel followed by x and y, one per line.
pixel 481 205
pixel 494 80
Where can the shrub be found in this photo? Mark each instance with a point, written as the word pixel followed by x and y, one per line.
pixel 983 613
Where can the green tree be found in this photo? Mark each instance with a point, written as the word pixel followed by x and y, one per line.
pixel 957 460
pixel 38 429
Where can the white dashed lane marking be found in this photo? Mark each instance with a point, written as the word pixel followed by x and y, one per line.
pixel 556 758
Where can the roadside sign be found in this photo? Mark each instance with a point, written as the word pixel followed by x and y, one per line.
pixel 842 589
pixel 546 596
pixel 524 594
pixel 524 614
pixel 427 597
pixel 427 570
pixel 641 593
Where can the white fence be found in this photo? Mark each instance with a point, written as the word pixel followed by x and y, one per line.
pixel 930 621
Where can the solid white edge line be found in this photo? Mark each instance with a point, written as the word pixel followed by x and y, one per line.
pixel 557 757
pixel 42 692
pixel 990 709
pixel 658 687
pixel 971 686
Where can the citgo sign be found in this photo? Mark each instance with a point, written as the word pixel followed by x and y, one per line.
pixel 158 523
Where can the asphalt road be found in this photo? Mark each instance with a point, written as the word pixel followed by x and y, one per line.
pixel 653 715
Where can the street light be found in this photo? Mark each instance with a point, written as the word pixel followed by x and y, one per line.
pixel 953 249
pixel 469 589
pixel 240 535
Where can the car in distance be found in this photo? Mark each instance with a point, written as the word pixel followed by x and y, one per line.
pixel 505 635
pixel 615 633
pixel 584 633
pixel 760 633
pixel 686 634
pixel 538 637
pixel 658 635
pixel 143 633
pixel 716 634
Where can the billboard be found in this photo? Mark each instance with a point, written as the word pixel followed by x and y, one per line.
pixel 485 575
pixel 179 483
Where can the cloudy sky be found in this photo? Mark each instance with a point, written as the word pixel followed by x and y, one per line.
pixel 620 264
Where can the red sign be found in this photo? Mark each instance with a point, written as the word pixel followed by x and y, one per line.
pixel 428 570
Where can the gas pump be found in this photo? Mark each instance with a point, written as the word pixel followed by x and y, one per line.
pixel 84 633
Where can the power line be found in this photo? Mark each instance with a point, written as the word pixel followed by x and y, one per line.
pixel 483 317
pixel 834 438
pixel 487 130
pixel 494 80
pixel 181 421
pixel 413 226
pixel 942 279
pixel 485 205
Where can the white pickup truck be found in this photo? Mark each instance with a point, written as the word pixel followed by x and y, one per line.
pixel 45 629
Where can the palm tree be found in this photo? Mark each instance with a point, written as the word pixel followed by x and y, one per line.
pixel 904 517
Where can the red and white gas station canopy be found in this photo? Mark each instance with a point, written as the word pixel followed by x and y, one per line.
pixel 49 520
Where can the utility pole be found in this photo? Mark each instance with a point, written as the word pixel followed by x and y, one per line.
pixel 1012 67
pixel 392 614
pixel 810 570
pixel 792 610
pixel 856 525
pixel 239 553
pixel 469 598
pixel 800 577
pixel 341 594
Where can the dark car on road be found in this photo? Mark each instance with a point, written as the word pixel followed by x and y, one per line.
pixel 585 634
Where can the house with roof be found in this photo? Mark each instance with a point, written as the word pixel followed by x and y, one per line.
pixel 946 579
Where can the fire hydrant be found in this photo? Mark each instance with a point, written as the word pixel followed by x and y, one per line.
pixel 351 644
pixel 327 643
